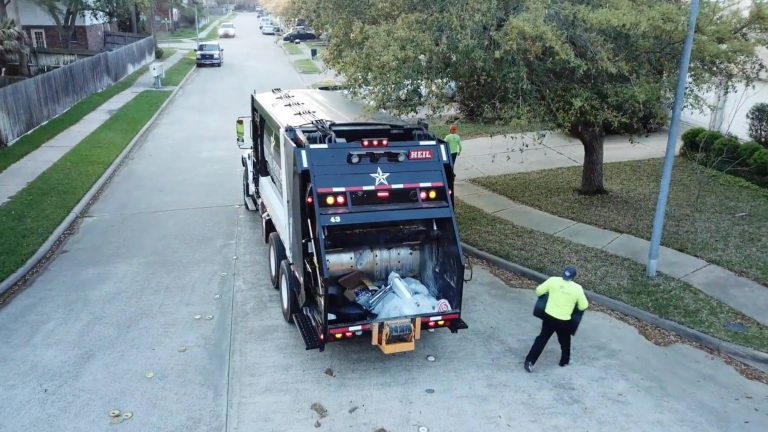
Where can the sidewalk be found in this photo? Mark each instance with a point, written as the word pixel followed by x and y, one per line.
pixel 21 173
pixel 499 155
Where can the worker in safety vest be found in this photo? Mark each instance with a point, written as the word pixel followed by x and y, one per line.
pixel 454 142
pixel 564 296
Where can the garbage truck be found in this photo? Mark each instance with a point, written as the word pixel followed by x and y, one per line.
pixel 356 207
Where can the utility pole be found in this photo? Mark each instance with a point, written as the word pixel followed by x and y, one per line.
pixel 197 27
pixel 666 176
pixel 134 30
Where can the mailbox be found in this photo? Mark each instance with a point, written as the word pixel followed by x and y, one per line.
pixel 157 71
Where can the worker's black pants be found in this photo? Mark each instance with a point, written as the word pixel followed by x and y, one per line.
pixel 453 157
pixel 551 325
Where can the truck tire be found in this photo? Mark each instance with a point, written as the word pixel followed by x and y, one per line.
pixel 288 286
pixel 276 256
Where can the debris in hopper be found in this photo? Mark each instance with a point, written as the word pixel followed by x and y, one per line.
pixel 403 299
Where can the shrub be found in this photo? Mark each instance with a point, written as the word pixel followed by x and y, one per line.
pixel 747 150
pixel 707 139
pixel 759 162
pixel 758 123
pixel 726 147
pixel 158 53
pixel 690 139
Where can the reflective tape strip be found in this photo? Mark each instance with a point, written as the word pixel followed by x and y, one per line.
pixel 412 185
pixel 339 189
pixel 356 328
pixel 324 190
pixel 427 142
pixel 304 158
pixel 318 146
pixel 435 318
pixel 369 187
pixel 425 184
pixel 442 152
pixel 354 188
pixel 397 186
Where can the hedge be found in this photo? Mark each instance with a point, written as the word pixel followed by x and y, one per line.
pixel 725 153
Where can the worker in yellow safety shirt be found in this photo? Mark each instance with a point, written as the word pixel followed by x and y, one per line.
pixel 564 296
pixel 454 142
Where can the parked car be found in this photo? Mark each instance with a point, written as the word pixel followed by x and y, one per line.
pixel 209 53
pixel 299 34
pixel 227 29
pixel 265 20
pixel 271 29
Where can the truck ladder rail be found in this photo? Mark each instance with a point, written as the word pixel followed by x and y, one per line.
pixel 307 330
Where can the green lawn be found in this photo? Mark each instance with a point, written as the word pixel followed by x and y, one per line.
pixel 601 272
pixel 719 218
pixel 292 49
pixel 30 216
pixel 306 66
pixel 167 52
pixel 33 140
pixel 471 129
pixel 177 72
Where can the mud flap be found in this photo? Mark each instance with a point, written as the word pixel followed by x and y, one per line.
pixel 307 330
pixel 458 324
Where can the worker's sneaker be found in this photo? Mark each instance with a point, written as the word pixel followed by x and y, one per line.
pixel 528 366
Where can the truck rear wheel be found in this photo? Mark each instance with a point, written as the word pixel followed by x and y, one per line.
pixel 276 256
pixel 288 286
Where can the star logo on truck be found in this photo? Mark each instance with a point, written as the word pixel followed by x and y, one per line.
pixel 380 177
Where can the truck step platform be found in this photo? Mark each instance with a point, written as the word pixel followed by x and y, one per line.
pixel 307 330
pixel 250 204
pixel 457 325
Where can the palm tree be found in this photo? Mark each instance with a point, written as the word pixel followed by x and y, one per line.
pixel 14 45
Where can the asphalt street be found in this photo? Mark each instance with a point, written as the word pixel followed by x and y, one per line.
pixel 160 305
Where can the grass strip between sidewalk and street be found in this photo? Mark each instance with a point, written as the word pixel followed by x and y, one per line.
pixel 176 73
pixel 30 216
pixel 42 134
pixel 306 66
pixel 714 216
pixel 292 49
pixel 167 52
pixel 607 274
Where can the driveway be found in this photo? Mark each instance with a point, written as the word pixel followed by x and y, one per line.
pixel 160 305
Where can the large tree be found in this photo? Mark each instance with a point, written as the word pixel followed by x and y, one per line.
pixel 4 9
pixel 14 46
pixel 583 66
pixel 64 14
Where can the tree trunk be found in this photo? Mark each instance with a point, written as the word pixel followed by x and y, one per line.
pixel 592 138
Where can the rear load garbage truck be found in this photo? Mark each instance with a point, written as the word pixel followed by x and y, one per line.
pixel 356 208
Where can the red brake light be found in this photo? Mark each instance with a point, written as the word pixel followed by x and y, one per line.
pixel 431 324
pixel 348 334
pixel 341 199
pixel 365 143
pixel 423 195
pixel 382 194
pixel 310 200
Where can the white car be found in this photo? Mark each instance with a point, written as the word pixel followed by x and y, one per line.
pixel 227 29
pixel 268 29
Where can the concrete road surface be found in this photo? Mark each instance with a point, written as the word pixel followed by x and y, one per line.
pixel 111 323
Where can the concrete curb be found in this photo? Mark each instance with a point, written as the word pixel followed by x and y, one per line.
pixel 71 218
pixel 747 355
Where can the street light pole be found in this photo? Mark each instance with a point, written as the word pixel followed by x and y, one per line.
pixel 669 156
pixel 197 27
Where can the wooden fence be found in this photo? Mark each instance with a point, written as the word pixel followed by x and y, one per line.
pixel 115 40
pixel 30 103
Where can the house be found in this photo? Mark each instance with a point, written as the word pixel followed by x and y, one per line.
pixel 43 32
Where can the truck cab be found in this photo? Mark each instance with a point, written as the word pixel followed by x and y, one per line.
pixel 356 207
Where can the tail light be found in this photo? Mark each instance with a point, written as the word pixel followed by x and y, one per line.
pixel 382 194
pixel 335 200
pixel 376 142
pixel 423 195
pixel 341 200
pixel 432 194
pixel 310 200
pixel 330 200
